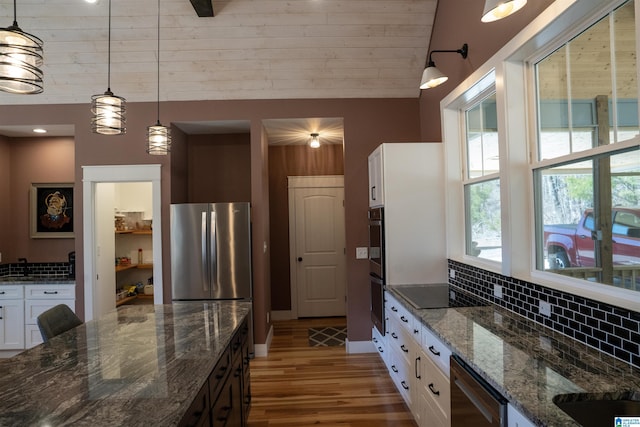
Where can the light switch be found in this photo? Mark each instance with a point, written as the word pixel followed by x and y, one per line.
pixel 362 253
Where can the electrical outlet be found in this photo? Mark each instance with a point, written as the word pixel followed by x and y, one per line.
pixel 362 253
pixel 452 273
pixel 452 295
pixel 497 291
pixel 268 317
pixel 545 308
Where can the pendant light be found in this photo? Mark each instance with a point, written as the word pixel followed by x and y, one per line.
pixel 20 60
pixel 314 142
pixel 158 136
pixel 498 9
pixel 108 109
pixel 432 76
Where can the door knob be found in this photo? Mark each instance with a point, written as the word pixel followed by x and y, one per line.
pixel 299 259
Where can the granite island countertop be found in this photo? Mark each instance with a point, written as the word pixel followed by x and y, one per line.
pixel 139 365
pixel 526 362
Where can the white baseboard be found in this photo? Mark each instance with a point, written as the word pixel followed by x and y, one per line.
pixel 354 347
pixel 262 350
pixel 281 315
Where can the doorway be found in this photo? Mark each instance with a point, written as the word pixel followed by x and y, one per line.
pixel 98 228
pixel 318 248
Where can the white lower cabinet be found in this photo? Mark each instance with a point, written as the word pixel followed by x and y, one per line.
pixel 433 394
pixel 40 298
pixel 11 317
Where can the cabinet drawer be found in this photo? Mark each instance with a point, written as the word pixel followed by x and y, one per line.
pixel 50 291
pixel 220 374
pixel 35 307
pixel 402 314
pixel 11 292
pixel 437 351
pixel 436 387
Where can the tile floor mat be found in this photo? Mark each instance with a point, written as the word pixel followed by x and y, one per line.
pixel 327 336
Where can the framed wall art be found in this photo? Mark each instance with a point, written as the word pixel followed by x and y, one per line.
pixel 51 211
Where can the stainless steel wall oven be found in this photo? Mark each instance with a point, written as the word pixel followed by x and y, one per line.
pixel 376 267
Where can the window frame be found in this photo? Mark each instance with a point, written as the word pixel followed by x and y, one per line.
pixel 511 70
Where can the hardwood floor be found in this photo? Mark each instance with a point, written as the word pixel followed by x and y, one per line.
pixel 298 385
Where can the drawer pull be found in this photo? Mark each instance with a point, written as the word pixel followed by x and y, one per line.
pixel 394 309
pixel 2 292
pixel 416 331
pixel 394 369
pixel 404 385
pixel 50 292
pixel 380 350
pixel 404 319
pixel 437 393
pixel 434 351
pixel 404 348
pixel 0 313
pixel 393 334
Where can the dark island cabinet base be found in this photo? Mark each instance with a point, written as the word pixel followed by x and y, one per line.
pixel 225 399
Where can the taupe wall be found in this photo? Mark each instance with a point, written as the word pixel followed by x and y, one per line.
pixel 291 160
pixel 219 168
pixel 458 22
pixel 24 161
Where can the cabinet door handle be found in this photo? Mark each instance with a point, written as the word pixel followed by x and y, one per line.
pixel 1 312
pixel 2 292
pixel 434 351
pixel 434 391
pixel 50 292
pixel 416 367
pixel 373 192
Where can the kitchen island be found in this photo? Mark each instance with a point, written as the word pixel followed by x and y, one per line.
pixel 159 365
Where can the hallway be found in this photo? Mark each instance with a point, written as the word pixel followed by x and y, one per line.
pixel 298 385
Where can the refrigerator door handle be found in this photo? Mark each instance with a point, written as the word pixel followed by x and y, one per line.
pixel 203 254
pixel 213 266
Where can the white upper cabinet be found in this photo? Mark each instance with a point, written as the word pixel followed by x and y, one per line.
pixel 406 179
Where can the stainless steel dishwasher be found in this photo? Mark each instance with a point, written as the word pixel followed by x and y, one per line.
pixel 473 401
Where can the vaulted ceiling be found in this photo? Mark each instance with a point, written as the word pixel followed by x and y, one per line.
pixel 250 49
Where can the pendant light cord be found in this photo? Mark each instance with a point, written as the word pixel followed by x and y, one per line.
pixel 108 52
pixel 158 56
pixel 15 14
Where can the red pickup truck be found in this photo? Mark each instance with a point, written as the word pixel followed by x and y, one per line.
pixel 571 245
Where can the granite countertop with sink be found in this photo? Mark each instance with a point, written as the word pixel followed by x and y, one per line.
pixel 137 365
pixel 528 363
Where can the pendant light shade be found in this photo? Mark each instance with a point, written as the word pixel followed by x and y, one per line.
pixel 108 114
pixel 314 142
pixel 432 76
pixel 109 111
pixel 20 60
pixel 158 140
pixel 498 9
pixel 158 136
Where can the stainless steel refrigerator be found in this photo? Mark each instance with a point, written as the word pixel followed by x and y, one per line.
pixel 211 252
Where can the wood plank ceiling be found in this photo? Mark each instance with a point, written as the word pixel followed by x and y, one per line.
pixel 251 49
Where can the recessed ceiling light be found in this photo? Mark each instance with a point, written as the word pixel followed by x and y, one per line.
pixel 91 1
pixel 39 130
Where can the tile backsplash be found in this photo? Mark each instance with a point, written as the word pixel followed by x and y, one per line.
pixel 50 270
pixel 612 330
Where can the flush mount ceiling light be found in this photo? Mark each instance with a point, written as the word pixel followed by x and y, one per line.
pixel 158 136
pixel 20 60
pixel 314 142
pixel 108 109
pixel 498 9
pixel 431 76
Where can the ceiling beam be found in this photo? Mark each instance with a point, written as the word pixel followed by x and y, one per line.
pixel 203 7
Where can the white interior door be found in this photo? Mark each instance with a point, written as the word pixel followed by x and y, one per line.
pixel 318 248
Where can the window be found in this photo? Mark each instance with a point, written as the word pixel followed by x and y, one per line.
pixel 482 183
pixel 587 194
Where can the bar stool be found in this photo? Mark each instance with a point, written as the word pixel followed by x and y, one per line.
pixel 57 320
